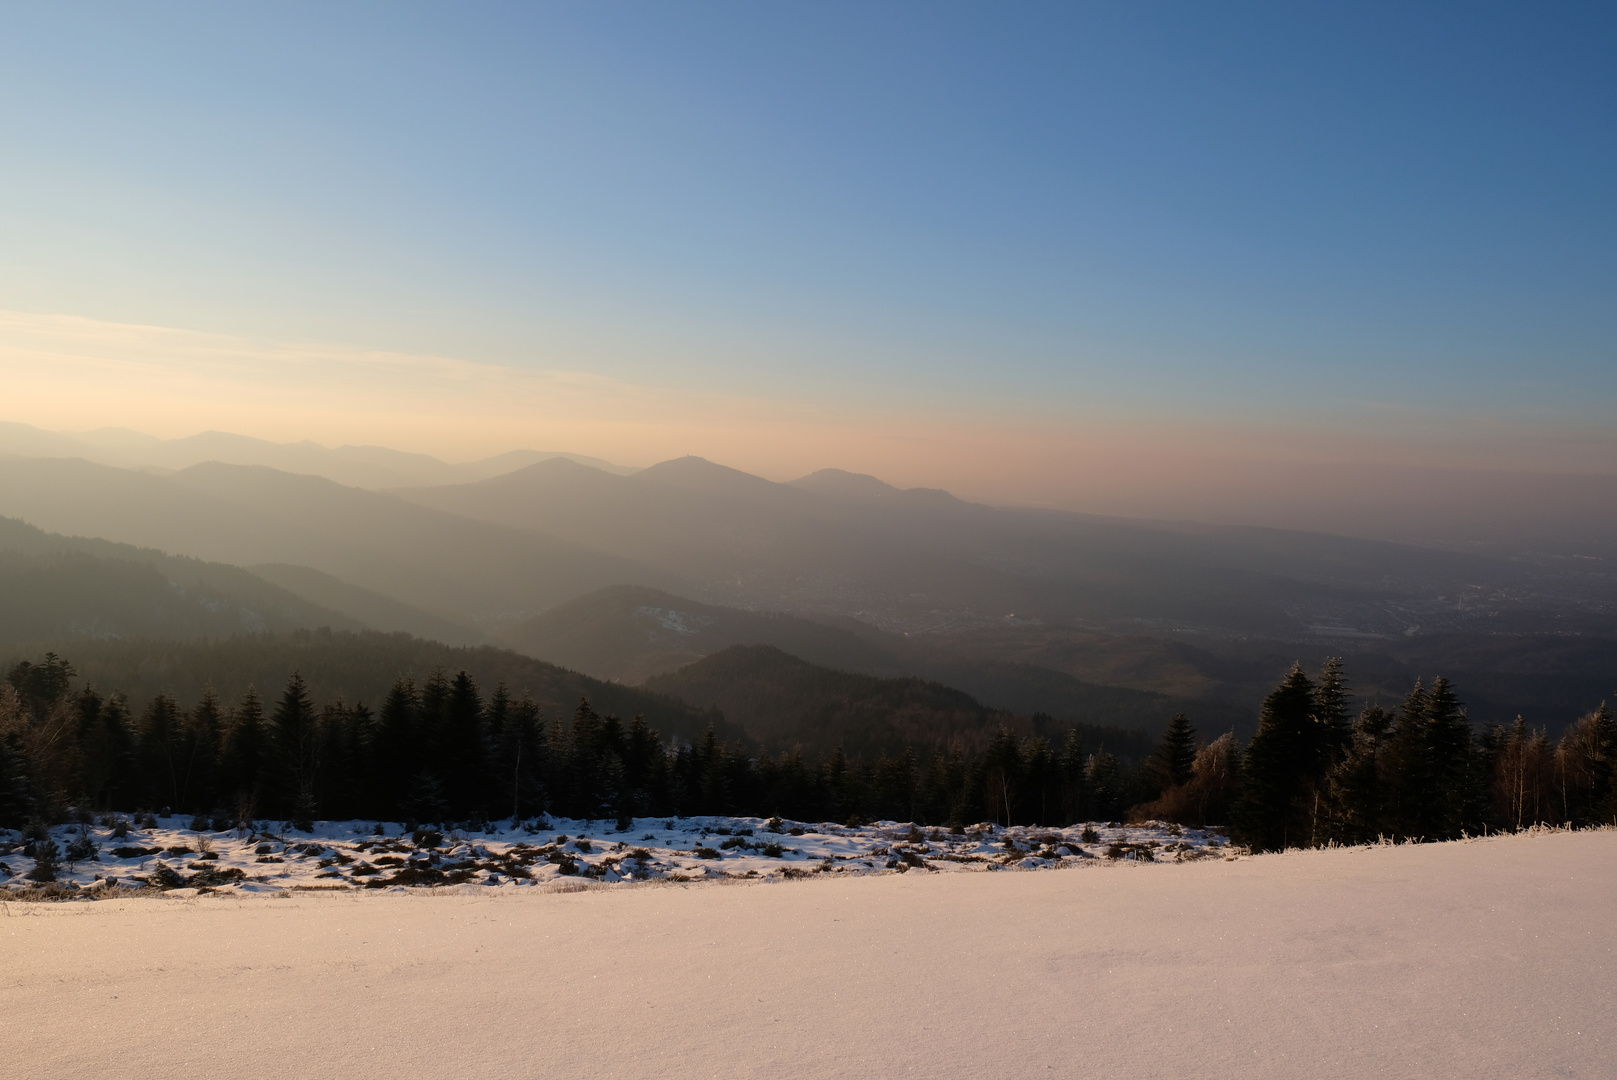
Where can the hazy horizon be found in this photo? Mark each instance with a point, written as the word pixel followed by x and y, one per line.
pixel 1151 264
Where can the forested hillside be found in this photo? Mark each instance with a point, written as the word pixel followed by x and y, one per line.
pixel 441 748
pixel 780 700
pixel 54 587
pixel 357 669
pixel 629 633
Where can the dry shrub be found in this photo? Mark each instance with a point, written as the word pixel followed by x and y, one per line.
pixel 1206 798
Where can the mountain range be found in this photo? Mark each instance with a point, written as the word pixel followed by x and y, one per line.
pixel 629 576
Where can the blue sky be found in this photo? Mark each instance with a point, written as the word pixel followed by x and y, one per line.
pixel 1327 213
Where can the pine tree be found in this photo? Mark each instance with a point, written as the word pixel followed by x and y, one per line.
pixel 464 755
pixel 47 861
pixel 16 804
pixel 201 744
pixel 1281 762
pixel 1002 777
pixel 1412 799
pixel 243 758
pixel 1355 791
pixel 159 747
pixel 1331 712
pixel 295 740
pixel 1075 792
pixel 392 758
pixel 1106 785
pixel 1172 763
pixel 1603 801
pixel 1449 736
pixel 107 750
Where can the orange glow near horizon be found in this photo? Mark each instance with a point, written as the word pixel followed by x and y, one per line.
pixel 73 374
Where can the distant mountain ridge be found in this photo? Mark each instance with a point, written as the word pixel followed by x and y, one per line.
pixel 457 569
pixel 1022 609
pixel 917 560
pixel 372 467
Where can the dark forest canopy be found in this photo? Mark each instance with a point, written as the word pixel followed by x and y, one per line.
pixel 358 668
pixel 444 750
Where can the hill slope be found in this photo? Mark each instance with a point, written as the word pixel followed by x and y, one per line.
pixel 54 587
pixel 357 667
pixel 456 568
pixel 923 560
pixel 781 701
pixel 629 633
pixel 373 467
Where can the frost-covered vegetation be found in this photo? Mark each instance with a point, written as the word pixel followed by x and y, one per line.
pixel 117 854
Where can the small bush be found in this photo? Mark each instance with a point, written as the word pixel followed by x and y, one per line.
pixel 199 823
pixel 795 830
pixel 428 838
pixel 773 850
pixel 706 853
pixel 640 854
pixel 207 877
pixel 120 828
pixel 1138 852
pixel 583 844
pixel 774 824
pixel 1089 835
pixel 625 823
pixel 148 821
pixel 166 877
pixel 47 861
pixel 135 852
pixel 568 867
pixel 733 843
pixel 82 849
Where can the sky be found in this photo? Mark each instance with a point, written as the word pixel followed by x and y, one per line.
pixel 1059 253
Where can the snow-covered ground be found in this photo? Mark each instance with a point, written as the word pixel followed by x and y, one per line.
pixel 1489 958
pixel 168 854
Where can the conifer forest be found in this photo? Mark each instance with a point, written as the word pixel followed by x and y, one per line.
pixel 446 751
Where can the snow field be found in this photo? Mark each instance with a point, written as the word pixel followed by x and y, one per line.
pixel 353 854
pixel 1489 958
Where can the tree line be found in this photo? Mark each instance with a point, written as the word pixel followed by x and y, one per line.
pixel 444 751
